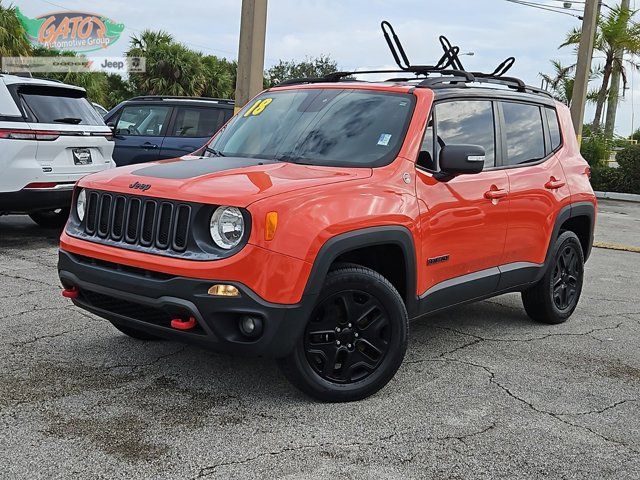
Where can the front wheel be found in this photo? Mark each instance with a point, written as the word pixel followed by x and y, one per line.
pixel 554 298
pixel 355 339
pixel 51 218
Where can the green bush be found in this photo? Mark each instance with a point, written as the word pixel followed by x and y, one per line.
pixel 629 168
pixel 595 150
pixel 605 179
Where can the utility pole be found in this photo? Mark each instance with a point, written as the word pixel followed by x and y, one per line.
pixel 253 27
pixel 614 89
pixel 583 67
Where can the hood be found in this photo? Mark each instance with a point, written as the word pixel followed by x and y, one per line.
pixel 232 181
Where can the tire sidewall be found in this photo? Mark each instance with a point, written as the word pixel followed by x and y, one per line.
pixel 395 310
pixel 565 239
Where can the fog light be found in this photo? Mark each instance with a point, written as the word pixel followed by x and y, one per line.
pixel 222 290
pixel 250 326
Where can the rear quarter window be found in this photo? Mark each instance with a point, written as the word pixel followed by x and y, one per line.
pixel 57 105
pixel 554 128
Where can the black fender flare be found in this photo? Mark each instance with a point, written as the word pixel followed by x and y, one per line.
pixel 578 209
pixel 366 237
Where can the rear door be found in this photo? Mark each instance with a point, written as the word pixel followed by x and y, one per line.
pixel 537 182
pixel 190 129
pixel 139 131
pixel 73 138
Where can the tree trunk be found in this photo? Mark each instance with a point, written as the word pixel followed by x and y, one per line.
pixel 614 91
pixel 602 94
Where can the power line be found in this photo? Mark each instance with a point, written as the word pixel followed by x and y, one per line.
pixel 547 8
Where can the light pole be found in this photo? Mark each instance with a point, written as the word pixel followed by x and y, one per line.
pixel 583 67
pixel 253 27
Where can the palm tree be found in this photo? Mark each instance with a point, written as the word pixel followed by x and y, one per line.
pixel 13 40
pixel 615 32
pixel 560 83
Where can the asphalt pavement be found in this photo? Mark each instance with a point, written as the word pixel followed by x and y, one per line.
pixel 484 393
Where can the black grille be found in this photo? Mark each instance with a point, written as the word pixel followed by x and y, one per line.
pixel 161 224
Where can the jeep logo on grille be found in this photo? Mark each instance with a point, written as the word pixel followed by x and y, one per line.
pixel 140 186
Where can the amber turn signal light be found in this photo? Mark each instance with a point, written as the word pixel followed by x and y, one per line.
pixel 222 290
pixel 270 225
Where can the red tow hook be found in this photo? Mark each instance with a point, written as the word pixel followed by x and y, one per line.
pixel 181 324
pixel 72 292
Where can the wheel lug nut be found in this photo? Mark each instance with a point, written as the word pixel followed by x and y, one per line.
pixel 337 342
pixel 349 346
pixel 355 334
pixel 349 325
pixel 337 329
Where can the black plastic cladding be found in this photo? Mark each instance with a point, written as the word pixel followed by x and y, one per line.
pixel 169 228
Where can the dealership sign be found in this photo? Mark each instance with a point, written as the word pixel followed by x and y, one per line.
pixel 71 31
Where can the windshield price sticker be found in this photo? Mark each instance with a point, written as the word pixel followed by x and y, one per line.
pixel 258 107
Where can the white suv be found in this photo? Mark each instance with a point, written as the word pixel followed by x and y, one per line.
pixel 50 136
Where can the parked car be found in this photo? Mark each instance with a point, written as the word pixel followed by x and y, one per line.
pixel 100 109
pixel 50 136
pixel 328 213
pixel 154 128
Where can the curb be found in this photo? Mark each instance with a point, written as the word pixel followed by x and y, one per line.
pixel 625 197
pixel 616 246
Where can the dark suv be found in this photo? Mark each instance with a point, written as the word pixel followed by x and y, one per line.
pixel 154 128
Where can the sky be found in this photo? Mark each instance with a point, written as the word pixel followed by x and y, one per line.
pixel 349 32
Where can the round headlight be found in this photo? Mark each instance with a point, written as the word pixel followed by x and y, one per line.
pixel 81 203
pixel 227 227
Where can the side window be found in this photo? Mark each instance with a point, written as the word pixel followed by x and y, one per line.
pixel 142 120
pixel 197 122
pixel 466 122
pixel 524 132
pixel 425 157
pixel 554 128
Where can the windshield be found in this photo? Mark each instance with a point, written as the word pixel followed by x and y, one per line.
pixel 341 127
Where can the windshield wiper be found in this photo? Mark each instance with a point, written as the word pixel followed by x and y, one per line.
pixel 291 159
pixel 215 153
pixel 71 120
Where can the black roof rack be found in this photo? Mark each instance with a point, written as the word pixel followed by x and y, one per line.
pixel 177 97
pixel 449 68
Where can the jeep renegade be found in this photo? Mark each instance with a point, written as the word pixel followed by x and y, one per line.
pixel 327 214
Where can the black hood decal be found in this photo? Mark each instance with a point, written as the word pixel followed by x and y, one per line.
pixel 198 167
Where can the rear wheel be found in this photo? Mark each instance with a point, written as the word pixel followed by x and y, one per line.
pixel 133 333
pixel 354 341
pixel 51 218
pixel 554 298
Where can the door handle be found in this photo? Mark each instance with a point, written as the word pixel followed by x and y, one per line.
pixel 495 193
pixel 554 184
pixel 149 146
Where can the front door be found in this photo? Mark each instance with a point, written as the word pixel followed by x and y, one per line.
pixel 463 219
pixel 139 133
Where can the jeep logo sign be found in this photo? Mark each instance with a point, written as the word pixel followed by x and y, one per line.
pixel 140 186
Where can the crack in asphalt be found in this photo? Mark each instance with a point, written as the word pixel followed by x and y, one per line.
pixel 52 335
pixel 24 312
pixel 209 470
pixel 18 277
pixel 557 416
pixel 135 366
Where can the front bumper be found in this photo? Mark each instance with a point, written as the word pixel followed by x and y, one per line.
pixel 148 301
pixel 30 200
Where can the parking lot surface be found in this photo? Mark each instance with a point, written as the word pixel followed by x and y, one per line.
pixel 483 393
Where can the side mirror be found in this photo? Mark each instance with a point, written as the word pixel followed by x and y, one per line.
pixel 461 159
pixel 112 126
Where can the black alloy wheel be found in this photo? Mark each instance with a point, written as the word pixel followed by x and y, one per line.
pixel 355 339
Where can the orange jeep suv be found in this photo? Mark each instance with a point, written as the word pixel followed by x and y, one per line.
pixel 328 213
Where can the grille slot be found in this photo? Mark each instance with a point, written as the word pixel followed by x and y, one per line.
pixel 133 220
pixel 117 221
pixel 104 215
pixel 164 225
pixel 181 228
pixel 156 224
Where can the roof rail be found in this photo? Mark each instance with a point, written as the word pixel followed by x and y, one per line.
pixel 449 67
pixel 178 97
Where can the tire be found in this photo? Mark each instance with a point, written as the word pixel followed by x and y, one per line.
pixel 51 218
pixel 133 333
pixel 355 339
pixel 554 298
